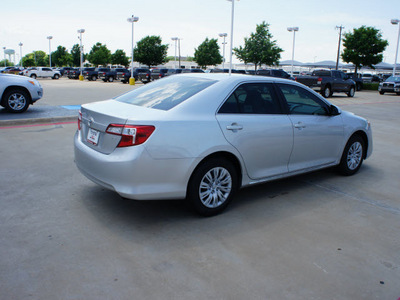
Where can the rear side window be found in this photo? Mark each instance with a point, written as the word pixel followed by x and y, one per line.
pixel 166 93
pixel 252 98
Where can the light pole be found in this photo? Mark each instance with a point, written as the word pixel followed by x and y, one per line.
pixel 132 20
pixel 49 38
pixel 340 39
pixel 294 29
pixel 80 31
pixel 5 62
pixel 224 35
pixel 175 39
pixel 20 52
pixel 395 22
pixel 231 46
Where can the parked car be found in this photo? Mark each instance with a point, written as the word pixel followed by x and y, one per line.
pixel 357 78
pixel 42 72
pixel 92 74
pixel 74 73
pixel 18 92
pixel 274 73
pixel 227 71
pixel 328 82
pixel 142 74
pixel 65 70
pixel 158 73
pixel 217 133
pixel 390 85
pixel 13 70
pixel 370 78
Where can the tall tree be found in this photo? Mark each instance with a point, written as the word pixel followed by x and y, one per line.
pixel 259 48
pixel 99 55
pixel 76 55
pixel 150 52
pixel 41 58
pixel 207 54
pixel 363 47
pixel 119 58
pixel 61 57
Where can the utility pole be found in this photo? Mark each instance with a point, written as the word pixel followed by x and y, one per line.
pixel 340 39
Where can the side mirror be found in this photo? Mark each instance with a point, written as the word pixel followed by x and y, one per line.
pixel 334 110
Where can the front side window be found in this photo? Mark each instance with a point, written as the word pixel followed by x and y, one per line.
pixel 302 102
pixel 167 93
pixel 252 98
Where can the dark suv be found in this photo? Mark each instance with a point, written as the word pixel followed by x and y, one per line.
pixel 158 73
pixel 141 74
pixel 274 73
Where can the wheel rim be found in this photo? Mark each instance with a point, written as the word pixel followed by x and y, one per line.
pixel 16 101
pixel 354 156
pixel 327 92
pixel 215 187
pixel 352 92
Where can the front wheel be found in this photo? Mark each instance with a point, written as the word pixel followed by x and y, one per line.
pixel 212 186
pixel 351 92
pixel 56 76
pixel 110 79
pixel 33 76
pixel 353 156
pixel 16 101
pixel 93 78
pixel 381 93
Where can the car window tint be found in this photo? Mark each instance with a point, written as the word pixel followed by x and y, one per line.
pixel 167 93
pixel 302 102
pixel 252 98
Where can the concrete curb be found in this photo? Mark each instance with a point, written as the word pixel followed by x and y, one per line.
pixel 33 121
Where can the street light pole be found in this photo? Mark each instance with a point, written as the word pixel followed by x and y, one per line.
pixel 175 39
pixel 20 52
pixel 231 46
pixel 132 20
pixel 49 38
pixel 80 31
pixel 340 39
pixel 395 22
pixel 294 29
pixel 224 35
pixel 5 61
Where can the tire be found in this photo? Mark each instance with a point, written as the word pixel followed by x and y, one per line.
pixel 327 92
pixel 16 101
pixel 212 186
pixel 93 78
pixel 33 76
pixel 358 87
pixel 353 156
pixel 351 92
pixel 381 93
pixel 398 94
pixel 56 76
pixel 110 79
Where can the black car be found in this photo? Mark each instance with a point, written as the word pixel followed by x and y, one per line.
pixel 274 73
pixel 357 78
pixel 142 74
pixel 158 73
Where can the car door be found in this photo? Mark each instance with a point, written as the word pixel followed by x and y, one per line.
pixel 252 121
pixel 46 72
pixel 338 82
pixel 317 135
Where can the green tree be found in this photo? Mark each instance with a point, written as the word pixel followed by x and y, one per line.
pixel 40 58
pixel 61 57
pixel 207 54
pixel 150 52
pixel 76 56
pixel 119 58
pixel 6 63
pixel 99 55
pixel 259 48
pixel 363 47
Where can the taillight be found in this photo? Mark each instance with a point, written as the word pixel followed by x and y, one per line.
pixel 319 79
pixel 131 135
pixel 79 120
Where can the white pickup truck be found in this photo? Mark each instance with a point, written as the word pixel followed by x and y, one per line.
pixel 42 72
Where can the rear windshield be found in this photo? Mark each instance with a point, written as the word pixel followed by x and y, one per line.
pixel 166 93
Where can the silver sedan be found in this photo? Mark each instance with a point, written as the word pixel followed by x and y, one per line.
pixel 201 137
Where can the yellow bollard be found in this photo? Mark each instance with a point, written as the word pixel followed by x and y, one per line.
pixel 132 81
pixel 81 78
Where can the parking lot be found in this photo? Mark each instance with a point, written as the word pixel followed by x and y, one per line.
pixel 314 236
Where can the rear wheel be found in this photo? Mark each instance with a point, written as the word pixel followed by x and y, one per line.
pixel 110 79
pixel 93 78
pixel 381 93
pixel 358 86
pixel 327 92
pixel 212 186
pixel 352 156
pixel 33 76
pixel 56 76
pixel 16 101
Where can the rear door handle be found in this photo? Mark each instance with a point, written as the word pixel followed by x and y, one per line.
pixel 299 125
pixel 234 127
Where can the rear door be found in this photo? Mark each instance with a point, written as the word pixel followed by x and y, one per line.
pixel 317 136
pixel 252 121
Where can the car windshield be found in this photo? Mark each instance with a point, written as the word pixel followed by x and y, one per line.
pixel 166 93
pixel 393 78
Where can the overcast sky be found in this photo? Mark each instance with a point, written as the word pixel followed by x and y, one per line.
pixel 30 22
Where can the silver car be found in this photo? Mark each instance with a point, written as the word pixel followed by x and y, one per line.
pixel 18 92
pixel 201 137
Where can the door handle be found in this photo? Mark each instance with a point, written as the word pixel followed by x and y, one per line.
pixel 234 127
pixel 299 125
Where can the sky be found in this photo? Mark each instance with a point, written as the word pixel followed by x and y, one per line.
pixel 31 21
